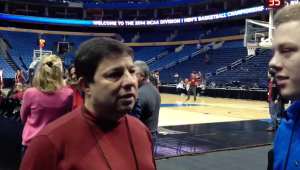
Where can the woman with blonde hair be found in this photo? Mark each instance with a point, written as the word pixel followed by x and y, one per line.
pixel 47 100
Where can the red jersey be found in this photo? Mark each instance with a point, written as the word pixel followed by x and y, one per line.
pixel 193 81
pixel 270 91
pixel 67 143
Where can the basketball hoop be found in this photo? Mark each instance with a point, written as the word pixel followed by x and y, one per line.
pixel 258 34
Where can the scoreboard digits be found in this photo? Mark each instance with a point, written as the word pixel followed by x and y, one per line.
pixel 41 43
pixel 275 4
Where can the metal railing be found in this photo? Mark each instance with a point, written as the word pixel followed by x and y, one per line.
pixel 242 31
pixel 163 54
pixel 208 75
pixel 197 52
pixel 170 65
pixel 201 36
pixel 238 62
pixel 262 50
pixel 208 32
pixel 221 70
pixel 183 59
pixel 150 61
pixel 249 57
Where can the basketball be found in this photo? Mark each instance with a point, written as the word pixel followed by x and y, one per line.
pixel 186 80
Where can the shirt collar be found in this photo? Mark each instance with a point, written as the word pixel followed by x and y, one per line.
pixel 292 111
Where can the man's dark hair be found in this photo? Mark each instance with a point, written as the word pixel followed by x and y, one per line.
pixel 91 52
pixel 272 73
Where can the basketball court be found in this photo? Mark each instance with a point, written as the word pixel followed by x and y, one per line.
pixel 210 124
pixel 175 111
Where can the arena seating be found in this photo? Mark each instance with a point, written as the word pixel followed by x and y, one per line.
pixel 187 51
pixel 229 53
pixel 255 68
pixel 155 36
pixel 231 31
pixel 146 53
pixel 23 47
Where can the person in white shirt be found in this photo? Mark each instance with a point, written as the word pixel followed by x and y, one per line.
pixel 181 88
pixel 198 46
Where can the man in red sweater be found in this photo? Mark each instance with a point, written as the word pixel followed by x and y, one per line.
pixel 98 134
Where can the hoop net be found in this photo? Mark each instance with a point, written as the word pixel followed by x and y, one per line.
pixel 251 50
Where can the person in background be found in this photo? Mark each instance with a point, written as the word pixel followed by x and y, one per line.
pixel 153 79
pixel 20 77
pixel 16 77
pixel 30 77
pixel 99 134
pixel 286 62
pixel 72 84
pixel 1 79
pixel 46 101
pixel 255 85
pixel 181 88
pixel 206 60
pixel 137 110
pixel 212 84
pixel 13 91
pixel 198 47
pixel 20 92
pixel 193 83
pixel 149 99
pixel 272 100
pixel 200 76
pixel 156 74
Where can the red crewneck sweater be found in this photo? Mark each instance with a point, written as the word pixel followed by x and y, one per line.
pixel 67 143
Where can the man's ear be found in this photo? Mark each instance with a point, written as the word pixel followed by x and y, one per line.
pixel 84 85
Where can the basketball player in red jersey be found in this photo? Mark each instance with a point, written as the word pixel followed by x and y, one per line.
pixel 193 82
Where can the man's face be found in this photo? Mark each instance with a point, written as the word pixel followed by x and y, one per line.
pixel 140 76
pixel 286 59
pixel 193 75
pixel 115 86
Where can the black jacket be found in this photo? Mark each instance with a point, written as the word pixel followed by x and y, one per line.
pixel 276 94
